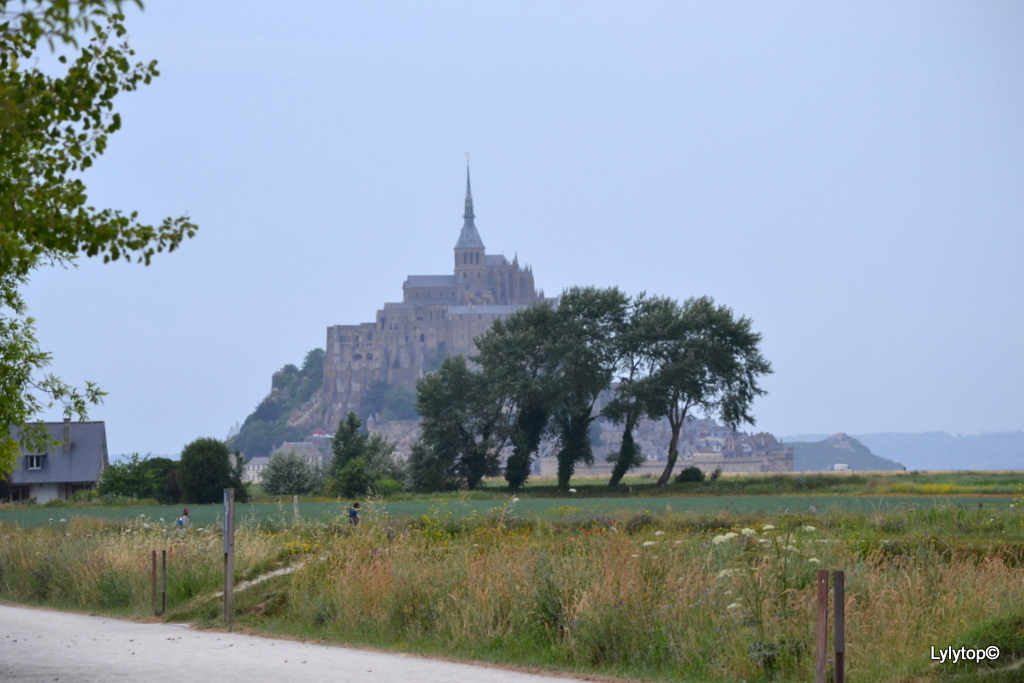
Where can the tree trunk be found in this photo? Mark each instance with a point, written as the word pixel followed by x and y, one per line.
pixel 627 459
pixel 673 453
pixel 575 447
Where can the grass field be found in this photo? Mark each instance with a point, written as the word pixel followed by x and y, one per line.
pixel 639 587
pixel 273 513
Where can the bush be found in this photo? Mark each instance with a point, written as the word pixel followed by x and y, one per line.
pixel 691 474
pixel 290 474
pixel 354 479
pixel 206 470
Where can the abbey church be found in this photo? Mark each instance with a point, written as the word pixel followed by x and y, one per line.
pixel 438 315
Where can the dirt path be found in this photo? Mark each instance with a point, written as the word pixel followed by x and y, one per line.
pixel 39 646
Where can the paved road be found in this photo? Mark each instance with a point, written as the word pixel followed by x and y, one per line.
pixel 38 646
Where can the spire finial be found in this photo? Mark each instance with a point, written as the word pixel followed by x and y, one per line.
pixel 469 194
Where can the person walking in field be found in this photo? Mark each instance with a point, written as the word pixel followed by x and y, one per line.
pixel 353 514
pixel 184 520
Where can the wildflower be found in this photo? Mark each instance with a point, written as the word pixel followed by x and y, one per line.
pixel 648 543
pixel 814 560
pixel 725 572
pixel 572 490
pixel 733 606
pixel 808 527
pixel 793 548
pixel 767 527
pixel 515 500
pixel 659 533
pixel 748 532
pixel 63 520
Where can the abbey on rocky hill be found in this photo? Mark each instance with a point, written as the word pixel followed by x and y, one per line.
pixel 438 315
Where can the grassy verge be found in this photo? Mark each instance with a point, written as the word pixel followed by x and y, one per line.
pixel 641 595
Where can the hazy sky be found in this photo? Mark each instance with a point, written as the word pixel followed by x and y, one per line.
pixel 848 175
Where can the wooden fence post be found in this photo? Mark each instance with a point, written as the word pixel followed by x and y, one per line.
pixel 152 584
pixel 821 642
pixel 839 631
pixel 163 593
pixel 229 555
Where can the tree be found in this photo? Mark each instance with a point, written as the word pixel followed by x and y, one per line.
pixel 581 358
pixel 165 479
pixel 52 129
pixel 649 326
pixel 360 460
pixel 513 358
pixel 461 419
pixel 128 479
pixel 706 360
pixel 207 469
pixel 290 474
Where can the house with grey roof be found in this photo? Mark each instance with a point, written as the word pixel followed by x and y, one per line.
pixel 71 463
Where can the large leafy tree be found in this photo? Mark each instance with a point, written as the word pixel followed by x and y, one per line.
pixel 650 326
pixel 207 469
pixel 581 358
pixel 513 356
pixel 706 360
pixel 360 460
pixel 461 423
pixel 54 123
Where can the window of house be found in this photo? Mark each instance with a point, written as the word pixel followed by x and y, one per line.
pixel 34 462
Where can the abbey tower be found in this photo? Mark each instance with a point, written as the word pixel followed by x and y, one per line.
pixel 438 314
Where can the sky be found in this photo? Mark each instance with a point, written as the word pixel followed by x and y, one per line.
pixel 849 176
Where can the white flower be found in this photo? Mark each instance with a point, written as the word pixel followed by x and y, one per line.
pixel 733 606
pixel 515 500
pixel 677 542
pixel 659 533
pixel 793 548
pixel 724 537
pixel 647 543
pixel 748 532
pixel 63 520
pixel 767 527
pixel 572 490
pixel 725 572
pixel 814 560
pixel 808 527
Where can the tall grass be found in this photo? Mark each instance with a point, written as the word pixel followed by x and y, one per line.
pixel 644 596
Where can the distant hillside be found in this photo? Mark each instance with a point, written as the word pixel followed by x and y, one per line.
pixel 818 456
pixel 941 450
pixel 280 415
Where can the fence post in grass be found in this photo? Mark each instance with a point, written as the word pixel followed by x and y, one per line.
pixel 295 508
pixel 839 630
pixel 152 585
pixel 163 593
pixel 821 642
pixel 229 555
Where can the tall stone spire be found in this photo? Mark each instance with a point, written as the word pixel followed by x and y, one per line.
pixel 469 238
pixel 469 198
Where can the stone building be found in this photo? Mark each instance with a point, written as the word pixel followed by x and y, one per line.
pixel 438 315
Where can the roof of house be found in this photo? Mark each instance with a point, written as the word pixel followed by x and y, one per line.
pixel 83 463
